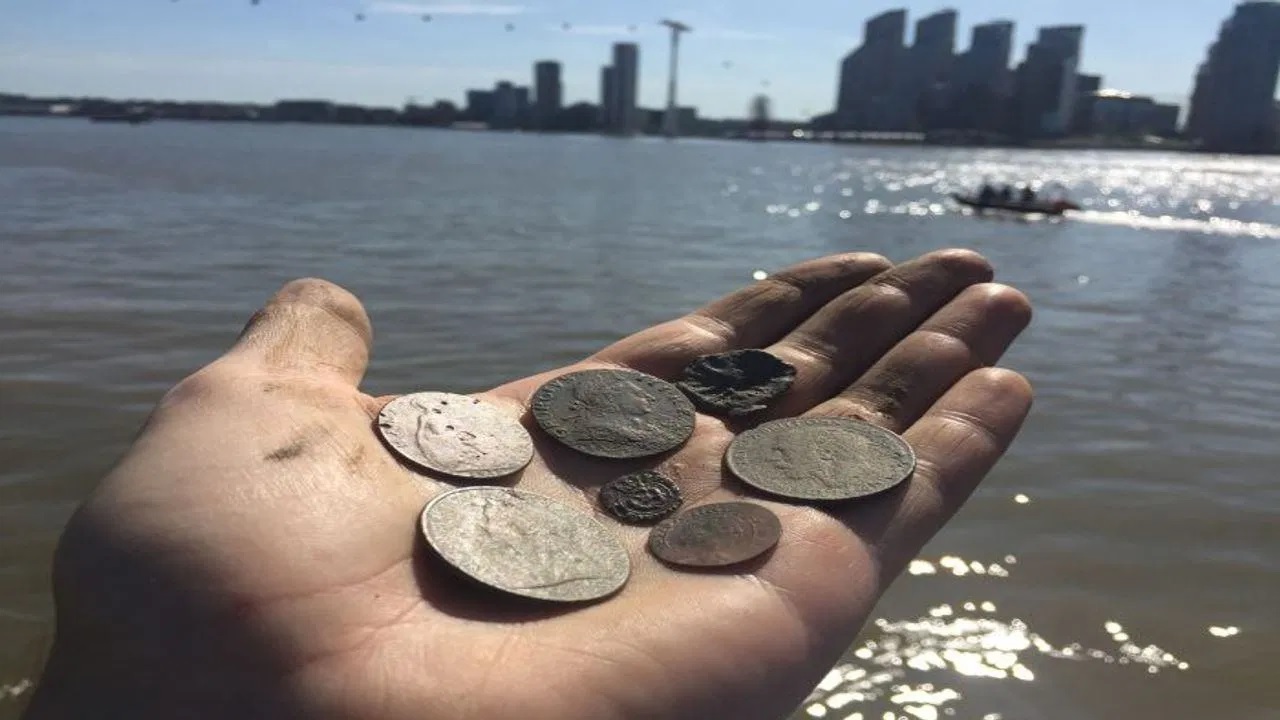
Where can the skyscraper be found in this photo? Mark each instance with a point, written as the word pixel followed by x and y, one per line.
pixel 1045 94
pixel 934 48
pixel 623 117
pixel 871 93
pixel 607 85
pixel 506 105
pixel 1232 106
pixel 931 62
pixel 986 62
pixel 547 92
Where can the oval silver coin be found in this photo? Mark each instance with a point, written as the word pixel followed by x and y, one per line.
pixel 820 458
pixel 525 544
pixel 614 413
pixel 455 435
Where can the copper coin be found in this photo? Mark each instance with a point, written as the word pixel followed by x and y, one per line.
pixel 614 413
pixel 641 497
pixel 716 535
pixel 455 435
pixel 525 544
pixel 820 458
pixel 736 383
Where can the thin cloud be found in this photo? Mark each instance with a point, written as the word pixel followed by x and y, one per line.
pixel 730 34
pixel 600 30
pixel 402 8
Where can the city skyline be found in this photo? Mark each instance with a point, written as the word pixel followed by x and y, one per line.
pixel 201 49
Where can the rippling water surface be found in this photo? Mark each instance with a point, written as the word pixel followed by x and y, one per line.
pixel 1122 562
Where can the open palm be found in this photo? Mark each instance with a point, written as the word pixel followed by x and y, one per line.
pixel 256 553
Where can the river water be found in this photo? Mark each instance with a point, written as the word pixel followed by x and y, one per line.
pixel 1123 560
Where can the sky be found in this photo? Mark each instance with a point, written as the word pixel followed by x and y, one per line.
pixel 231 50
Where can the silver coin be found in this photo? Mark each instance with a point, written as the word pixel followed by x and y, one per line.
pixel 455 435
pixel 820 458
pixel 525 544
pixel 614 413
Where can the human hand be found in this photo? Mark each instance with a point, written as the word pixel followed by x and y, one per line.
pixel 257 554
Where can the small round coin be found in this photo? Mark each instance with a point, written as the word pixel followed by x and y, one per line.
pixel 736 383
pixel 455 435
pixel 716 535
pixel 614 413
pixel 525 544
pixel 820 458
pixel 641 497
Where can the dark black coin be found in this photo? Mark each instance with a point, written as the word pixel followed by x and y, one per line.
pixel 716 535
pixel 641 497
pixel 736 383
pixel 614 413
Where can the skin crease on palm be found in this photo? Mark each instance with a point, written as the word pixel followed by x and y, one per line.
pixel 256 553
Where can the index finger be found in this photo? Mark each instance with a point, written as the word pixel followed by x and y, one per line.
pixel 754 316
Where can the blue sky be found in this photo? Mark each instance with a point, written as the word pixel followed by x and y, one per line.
pixel 230 50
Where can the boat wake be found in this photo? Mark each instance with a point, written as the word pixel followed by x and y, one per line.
pixel 1206 226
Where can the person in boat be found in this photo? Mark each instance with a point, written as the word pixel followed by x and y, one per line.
pixel 987 194
pixel 1006 195
pixel 1027 196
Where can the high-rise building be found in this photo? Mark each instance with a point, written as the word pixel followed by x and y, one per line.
pixel 1232 105
pixel 1045 92
pixel 931 64
pixel 547 92
pixel 873 88
pixel 607 85
pixel 1087 87
pixel 986 62
pixel 479 106
pixel 623 118
pixel 934 49
pixel 506 105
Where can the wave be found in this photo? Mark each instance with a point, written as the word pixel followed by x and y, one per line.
pixel 1206 226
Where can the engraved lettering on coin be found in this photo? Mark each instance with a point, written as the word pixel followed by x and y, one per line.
pixel 641 497
pixel 716 535
pixel 736 383
pixel 455 435
pixel 820 458
pixel 525 544
pixel 614 413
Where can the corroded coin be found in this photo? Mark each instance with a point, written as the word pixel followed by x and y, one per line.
pixel 716 535
pixel 525 544
pixel 820 458
pixel 614 413
pixel 641 497
pixel 736 383
pixel 455 435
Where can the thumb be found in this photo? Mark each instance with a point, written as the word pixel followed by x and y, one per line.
pixel 310 327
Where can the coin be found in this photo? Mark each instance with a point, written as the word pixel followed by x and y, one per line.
pixel 614 413
pixel 820 458
pixel 736 383
pixel 716 535
pixel 455 435
pixel 525 544
pixel 641 497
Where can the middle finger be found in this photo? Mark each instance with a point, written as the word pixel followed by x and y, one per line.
pixel 839 342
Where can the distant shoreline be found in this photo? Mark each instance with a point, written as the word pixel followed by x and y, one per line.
pixel 772 136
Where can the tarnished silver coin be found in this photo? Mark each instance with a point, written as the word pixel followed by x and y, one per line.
pixel 736 383
pixel 641 497
pixel 820 458
pixel 525 544
pixel 716 535
pixel 455 435
pixel 614 413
